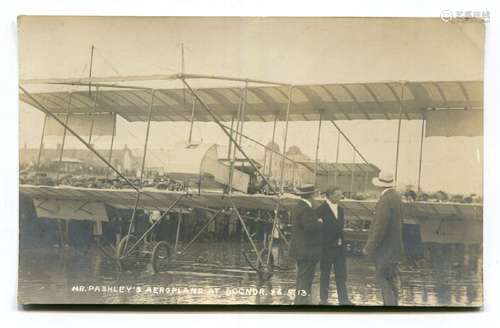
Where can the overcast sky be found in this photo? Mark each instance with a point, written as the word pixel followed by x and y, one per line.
pixel 296 51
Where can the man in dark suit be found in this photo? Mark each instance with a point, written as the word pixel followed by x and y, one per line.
pixel 305 246
pixel 385 242
pixel 333 246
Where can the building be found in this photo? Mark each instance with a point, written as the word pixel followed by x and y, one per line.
pixel 123 159
pixel 352 178
pixel 300 169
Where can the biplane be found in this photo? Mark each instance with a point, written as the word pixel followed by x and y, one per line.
pixel 227 186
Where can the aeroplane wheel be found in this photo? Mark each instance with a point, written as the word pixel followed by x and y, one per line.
pixel 160 256
pixel 264 270
pixel 124 260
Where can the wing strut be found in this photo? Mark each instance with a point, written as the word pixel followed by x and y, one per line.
pixel 421 152
pixel 317 148
pixel 399 132
pixel 349 141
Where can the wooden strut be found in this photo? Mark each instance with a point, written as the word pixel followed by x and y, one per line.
pixel 63 234
pixel 272 145
pixel 422 132
pixel 282 234
pixel 264 161
pixel 233 140
pixel 235 79
pixel 146 140
pixel 63 139
pixel 352 173
pixel 317 148
pixel 92 115
pixel 201 231
pixel 229 144
pixel 273 229
pixel 90 69
pixel 90 94
pixel 349 141
pixel 243 107
pixel 401 100
pixel 338 147
pixel 243 224
pixel 286 137
pixel 113 132
pixel 41 142
pixel 192 122
pixel 177 232
pixel 155 77
pixel 272 149
pixel 276 211
pixel 103 85
pixel 182 72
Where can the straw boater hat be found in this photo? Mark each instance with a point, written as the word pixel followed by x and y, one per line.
pixel 384 179
pixel 305 190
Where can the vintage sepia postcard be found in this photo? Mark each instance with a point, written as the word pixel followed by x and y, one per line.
pixel 248 161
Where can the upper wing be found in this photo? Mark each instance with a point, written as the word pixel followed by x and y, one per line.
pixel 341 101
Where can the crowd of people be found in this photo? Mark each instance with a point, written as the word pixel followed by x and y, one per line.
pixel 103 182
pixel 410 195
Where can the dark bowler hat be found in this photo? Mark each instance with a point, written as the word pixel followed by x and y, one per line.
pixel 305 190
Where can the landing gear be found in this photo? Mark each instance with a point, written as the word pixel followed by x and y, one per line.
pixel 160 256
pixel 264 267
pixel 124 256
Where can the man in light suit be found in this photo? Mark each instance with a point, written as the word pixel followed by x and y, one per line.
pixel 385 242
pixel 333 250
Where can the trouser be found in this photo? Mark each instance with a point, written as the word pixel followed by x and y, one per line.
pixel 387 276
pixel 303 284
pixel 338 261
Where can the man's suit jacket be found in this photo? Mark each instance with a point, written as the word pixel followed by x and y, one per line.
pixel 306 233
pixel 385 241
pixel 332 230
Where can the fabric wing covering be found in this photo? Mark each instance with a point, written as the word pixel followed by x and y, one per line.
pixel 99 125
pixel 448 123
pixel 443 103
pixel 153 198
pixel 163 199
